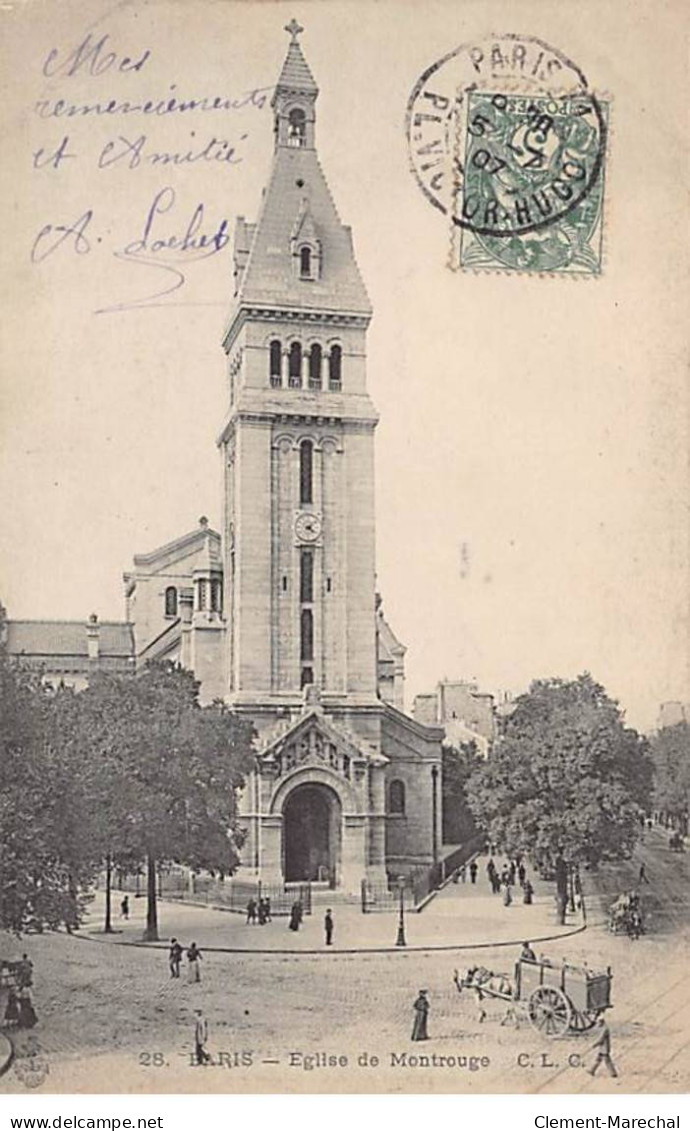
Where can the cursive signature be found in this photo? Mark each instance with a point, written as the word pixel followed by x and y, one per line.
pixel 165 252
pixel 53 236
pixel 162 247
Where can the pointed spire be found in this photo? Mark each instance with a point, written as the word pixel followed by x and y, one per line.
pixel 295 75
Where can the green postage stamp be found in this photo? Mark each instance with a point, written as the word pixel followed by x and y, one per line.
pixel 532 194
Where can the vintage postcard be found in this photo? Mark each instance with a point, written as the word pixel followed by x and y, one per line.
pixel 345 737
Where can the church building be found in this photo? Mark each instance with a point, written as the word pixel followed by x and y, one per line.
pixel 278 614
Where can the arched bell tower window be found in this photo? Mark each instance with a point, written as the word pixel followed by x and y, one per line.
pixel 396 797
pixel 306 576
pixel 305 263
pixel 297 128
pixel 335 368
pixel 306 622
pixel 171 601
pixel 275 363
pixel 315 358
pixel 306 462
pixel 295 366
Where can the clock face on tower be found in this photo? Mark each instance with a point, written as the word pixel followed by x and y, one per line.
pixel 307 526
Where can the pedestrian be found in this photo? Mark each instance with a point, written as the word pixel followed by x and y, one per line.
pixel 522 873
pixel 527 892
pixel 328 926
pixel 200 1038
pixel 261 912
pixel 11 1010
pixel 527 954
pixel 421 1017
pixel 295 917
pixel 507 897
pixel 25 971
pixel 603 1047
pixel 27 1013
pixel 251 912
pixel 174 958
pixel 473 871
pixel 193 958
pixel 643 878
pixel 124 908
pixel 511 873
pixel 267 908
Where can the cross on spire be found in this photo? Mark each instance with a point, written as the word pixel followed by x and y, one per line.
pixel 294 29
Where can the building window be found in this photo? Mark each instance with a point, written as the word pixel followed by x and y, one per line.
pixel 306 451
pixel 305 263
pixel 297 128
pixel 306 677
pixel 275 363
pixel 284 584
pixel 306 576
pixel 335 368
pixel 216 596
pixel 171 601
pixel 306 635
pixel 329 585
pixel 315 366
pixel 396 797
pixel 295 366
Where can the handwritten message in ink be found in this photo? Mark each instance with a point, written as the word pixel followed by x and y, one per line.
pixel 161 138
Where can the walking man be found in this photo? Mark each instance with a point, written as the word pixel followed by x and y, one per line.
pixel 174 958
pixel 473 871
pixel 643 878
pixel 193 958
pixel 328 927
pixel 603 1047
pixel 200 1038
pixel 251 912
pixel 124 907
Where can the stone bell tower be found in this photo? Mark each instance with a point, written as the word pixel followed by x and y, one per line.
pixel 299 539
pixel 298 441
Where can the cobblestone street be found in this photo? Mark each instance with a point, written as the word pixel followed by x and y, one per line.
pixel 110 1016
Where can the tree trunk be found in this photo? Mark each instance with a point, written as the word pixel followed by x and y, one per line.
pixel 108 892
pixel 151 932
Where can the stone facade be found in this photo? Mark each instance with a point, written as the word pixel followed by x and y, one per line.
pixel 465 713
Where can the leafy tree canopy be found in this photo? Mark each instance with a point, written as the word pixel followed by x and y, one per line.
pixel 670 751
pixel 565 774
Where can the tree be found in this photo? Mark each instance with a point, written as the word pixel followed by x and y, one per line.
pixel 457 764
pixel 43 830
pixel 670 751
pixel 566 776
pixel 170 772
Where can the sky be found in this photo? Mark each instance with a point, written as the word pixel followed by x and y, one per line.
pixel 531 456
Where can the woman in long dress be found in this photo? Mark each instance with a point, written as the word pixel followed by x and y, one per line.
pixel 27 1013
pixel 12 1010
pixel 421 1015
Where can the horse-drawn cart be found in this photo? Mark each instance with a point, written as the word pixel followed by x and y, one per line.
pixel 557 999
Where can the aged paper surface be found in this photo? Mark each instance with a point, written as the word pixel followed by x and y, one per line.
pixel 529 369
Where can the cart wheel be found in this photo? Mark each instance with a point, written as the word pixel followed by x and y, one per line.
pixel 581 1022
pixel 549 1011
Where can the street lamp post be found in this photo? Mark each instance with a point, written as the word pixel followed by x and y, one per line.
pixel 400 941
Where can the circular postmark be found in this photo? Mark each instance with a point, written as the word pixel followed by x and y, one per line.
pixel 506 138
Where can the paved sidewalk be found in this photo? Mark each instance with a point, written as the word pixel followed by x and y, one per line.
pixel 461 915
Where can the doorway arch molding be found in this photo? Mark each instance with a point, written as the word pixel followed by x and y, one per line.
pixel 313 775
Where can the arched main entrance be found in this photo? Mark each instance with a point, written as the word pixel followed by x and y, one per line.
pixel 312 818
